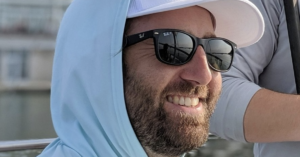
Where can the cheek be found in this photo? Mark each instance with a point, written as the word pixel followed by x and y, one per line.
pixel 157 76
pixel 216 82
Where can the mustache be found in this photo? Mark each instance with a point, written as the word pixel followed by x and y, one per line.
pixel 187 89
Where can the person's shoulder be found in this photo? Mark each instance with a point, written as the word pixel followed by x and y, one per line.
pixel 275 4
pixel 271 10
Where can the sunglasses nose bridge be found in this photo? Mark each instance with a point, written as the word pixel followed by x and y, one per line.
pixel 200 42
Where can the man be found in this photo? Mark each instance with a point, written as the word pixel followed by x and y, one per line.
pixel 253 106
pixel 171 74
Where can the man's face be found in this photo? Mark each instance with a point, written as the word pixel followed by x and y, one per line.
pixel 159 96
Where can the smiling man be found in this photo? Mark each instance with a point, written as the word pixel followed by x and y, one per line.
pixel 155 97
pixel 169 106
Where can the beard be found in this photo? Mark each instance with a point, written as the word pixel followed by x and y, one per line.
pixel 169 133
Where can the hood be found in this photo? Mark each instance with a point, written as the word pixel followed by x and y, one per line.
pixel 87 97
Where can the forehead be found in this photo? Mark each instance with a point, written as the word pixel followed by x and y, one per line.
pixel 195 20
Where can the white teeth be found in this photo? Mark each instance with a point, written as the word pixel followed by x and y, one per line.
pixel 176 100
pixel 188 102
pixel 181 100
pixel 195 101
pixel 184 101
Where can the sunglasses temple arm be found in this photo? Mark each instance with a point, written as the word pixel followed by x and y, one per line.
pixel 133 39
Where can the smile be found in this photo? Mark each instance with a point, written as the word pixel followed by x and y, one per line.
pixel 183 101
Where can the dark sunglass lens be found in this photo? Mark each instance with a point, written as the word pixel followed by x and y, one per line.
pixel 166 46
pixel 219 54
pixel 175 47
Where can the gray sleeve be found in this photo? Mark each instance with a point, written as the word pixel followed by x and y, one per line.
pixel 242 81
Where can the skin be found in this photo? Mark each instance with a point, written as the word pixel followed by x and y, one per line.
pixel 164 128
pixel 268 119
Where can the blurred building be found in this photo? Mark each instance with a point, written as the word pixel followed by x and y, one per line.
pixel 28 31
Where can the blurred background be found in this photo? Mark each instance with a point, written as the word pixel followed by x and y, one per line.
pixel 28 30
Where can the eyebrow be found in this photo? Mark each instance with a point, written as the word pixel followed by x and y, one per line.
pixel 209 35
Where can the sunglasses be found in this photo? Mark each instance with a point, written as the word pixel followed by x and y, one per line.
pixel 176 47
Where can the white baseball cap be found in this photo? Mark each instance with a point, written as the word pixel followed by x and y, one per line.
pixel 237 20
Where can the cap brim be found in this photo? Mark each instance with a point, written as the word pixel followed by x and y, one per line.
pixel 237 20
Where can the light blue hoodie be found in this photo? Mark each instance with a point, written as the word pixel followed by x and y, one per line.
pixel 87 98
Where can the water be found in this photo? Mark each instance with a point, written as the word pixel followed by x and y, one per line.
pixel 25 153
pixel 25 115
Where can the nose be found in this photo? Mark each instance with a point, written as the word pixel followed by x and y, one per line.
pixel 197 70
